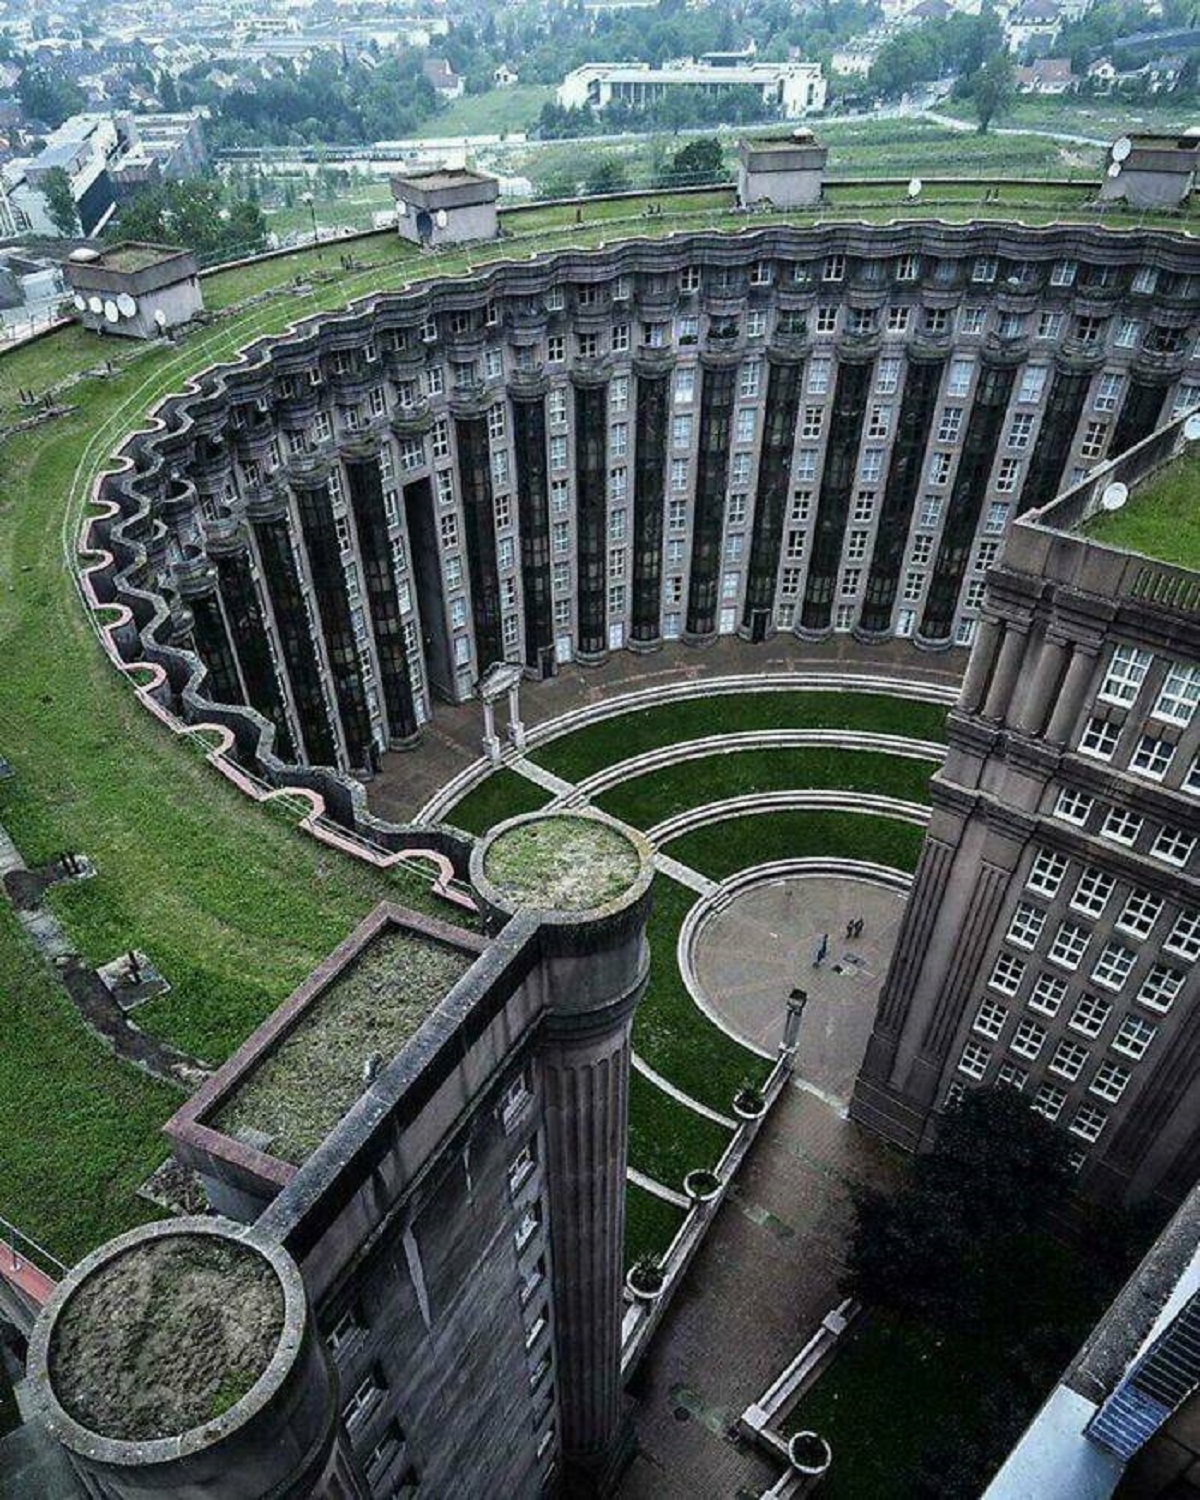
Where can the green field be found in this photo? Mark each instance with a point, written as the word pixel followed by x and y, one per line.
pixel 498 112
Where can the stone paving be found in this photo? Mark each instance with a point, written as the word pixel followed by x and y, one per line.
pixel 749 955
pixel 408 778
pixel 768 1271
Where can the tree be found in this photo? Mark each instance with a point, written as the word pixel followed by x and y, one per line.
pixel 193 214
pixel 993 89
pixel 701 160
pixel 60 202
pixel 995 1175
pixel 607 176
pixel 49 96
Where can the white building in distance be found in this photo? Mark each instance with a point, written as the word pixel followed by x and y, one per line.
pixel 798 88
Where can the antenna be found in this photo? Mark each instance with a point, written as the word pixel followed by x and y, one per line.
pixel 914 187
pixel 1121 148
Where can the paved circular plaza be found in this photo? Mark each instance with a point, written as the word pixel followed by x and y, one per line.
pixel 748 956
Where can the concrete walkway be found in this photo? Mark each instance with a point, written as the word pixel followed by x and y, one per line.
pixel 763 1279
pixel 769 1269
pixel 453 740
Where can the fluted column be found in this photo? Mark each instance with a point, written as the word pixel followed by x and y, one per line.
pixel 1070 698
pixel 979 668
pixel 1043 684
pixel 592 965
pixel 1004 679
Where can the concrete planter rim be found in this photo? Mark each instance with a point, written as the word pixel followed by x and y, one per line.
pixel 807 1468
pixel 643 1294
pixel 140 1453
pixel 693 1191
pixel 749 1111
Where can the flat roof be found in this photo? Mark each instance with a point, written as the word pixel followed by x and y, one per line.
pixel 134 256
pixel 298 1090
pixel 442 177
pixel 1160 519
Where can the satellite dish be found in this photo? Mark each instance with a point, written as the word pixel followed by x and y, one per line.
pixel 126 306
pixel 401 207
pixel 442 218
pixel 160 317
pixel 1122 146
pixel 84 255
pixel 110 311
pixel 95 304
pixel 80 303
pixel 1191 428
pixel 1114 169
pixel 914 187
pixel 1114 496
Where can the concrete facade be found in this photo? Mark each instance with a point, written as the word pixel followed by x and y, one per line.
pixel 448 206
pixel 135 291
pixel 1051 938
pixel 1152 171
pixel 788 171
pixel 817 431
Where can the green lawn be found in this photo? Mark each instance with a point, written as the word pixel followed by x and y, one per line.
pixel 667 1140
pixel 724 848
pixel 502 795
pixel 671 1032
pixel 498 112
pixel 650 1224
pixel 1161 518
pixel 585 751
pixel 647 800
pixel 883 1395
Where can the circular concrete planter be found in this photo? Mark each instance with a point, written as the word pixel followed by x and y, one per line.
pixel 809 1454
pixel 702 1186
pixel 749 1104
pixel 645 1281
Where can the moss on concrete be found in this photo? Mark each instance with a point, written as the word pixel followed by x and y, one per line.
pixel 562 863
pixel 166 1337
pixel 302 1088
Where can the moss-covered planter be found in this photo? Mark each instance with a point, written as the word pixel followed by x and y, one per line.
pixel 646 1280
pixel 702 1186
pixel 809 1454
pixel 562 862
pixel 749 1103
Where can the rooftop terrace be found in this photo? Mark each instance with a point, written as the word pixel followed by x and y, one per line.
pixel 1161 518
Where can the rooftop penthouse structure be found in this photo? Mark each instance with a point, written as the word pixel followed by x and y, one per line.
pixel 448 206
pixel 136 291
pixel 1152 171
pixel 796 88
pixel 1052 935
pixel 787 171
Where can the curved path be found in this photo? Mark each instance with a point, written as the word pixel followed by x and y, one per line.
pixel 817 799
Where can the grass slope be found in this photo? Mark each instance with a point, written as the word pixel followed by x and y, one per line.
pixel 667 1140
pixel 585 751
pixel 671 1032
pixel 650 1224
pixel 502 795
pixel 80 1130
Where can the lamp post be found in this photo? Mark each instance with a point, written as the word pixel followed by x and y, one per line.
pixel 797 1000
pixel 312 210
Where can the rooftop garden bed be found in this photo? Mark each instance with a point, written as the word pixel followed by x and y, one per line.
pixel 166 1336
pixel 562 863
pixel 299 1091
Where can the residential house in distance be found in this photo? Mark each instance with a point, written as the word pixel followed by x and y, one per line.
pixel 1046 76
pixel 1034 23
pixel 505 77
pixel 446 82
